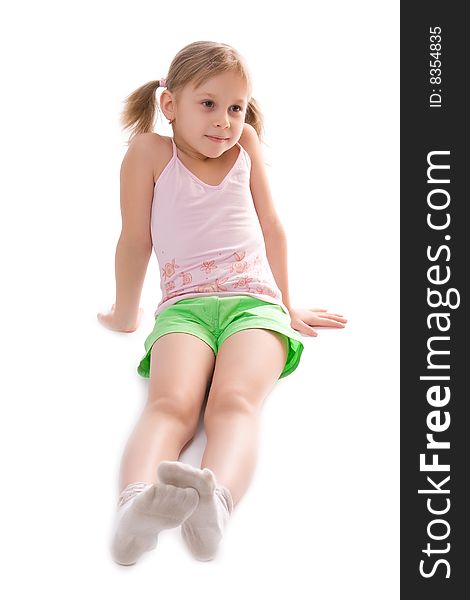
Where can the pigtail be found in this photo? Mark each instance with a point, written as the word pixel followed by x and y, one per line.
pixel 254 117
pixel 139 109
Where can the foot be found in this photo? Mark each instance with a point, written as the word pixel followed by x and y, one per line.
pixel 203 530
pixel 150 509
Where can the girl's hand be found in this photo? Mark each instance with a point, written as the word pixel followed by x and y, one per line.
pixel 108 320
pixel 305 319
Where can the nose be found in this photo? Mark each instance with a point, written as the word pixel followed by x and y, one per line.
pixel 222 121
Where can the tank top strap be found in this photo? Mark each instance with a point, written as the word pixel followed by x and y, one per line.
pixel 245 154
pixel 174 147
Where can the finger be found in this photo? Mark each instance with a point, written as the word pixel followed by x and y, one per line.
pixel 310 331
pixel 334 317
pixel 318 309
pixel 330 323
pixel 103 321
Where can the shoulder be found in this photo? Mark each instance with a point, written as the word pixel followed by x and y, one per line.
pixel 146 142
pixel 250 141
pixel 153 147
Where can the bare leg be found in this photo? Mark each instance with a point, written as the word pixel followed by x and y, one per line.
pixel 181 367
pixel 247 367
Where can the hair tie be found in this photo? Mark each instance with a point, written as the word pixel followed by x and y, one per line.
pixel 163 82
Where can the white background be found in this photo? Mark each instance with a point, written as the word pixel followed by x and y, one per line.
pixel 321 518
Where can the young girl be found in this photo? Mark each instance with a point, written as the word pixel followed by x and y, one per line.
pixel 225 324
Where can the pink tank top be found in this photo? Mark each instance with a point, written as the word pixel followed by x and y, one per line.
pixel 208 238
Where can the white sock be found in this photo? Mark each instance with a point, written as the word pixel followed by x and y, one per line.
pixel 145 509
pixel 203 530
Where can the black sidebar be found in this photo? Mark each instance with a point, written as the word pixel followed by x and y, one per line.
pixel 435 332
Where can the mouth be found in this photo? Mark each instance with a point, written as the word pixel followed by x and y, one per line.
pixel 217 138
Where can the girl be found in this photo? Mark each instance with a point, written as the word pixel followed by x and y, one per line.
pixel 225 324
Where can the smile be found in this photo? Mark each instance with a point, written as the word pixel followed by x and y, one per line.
pixel 214 139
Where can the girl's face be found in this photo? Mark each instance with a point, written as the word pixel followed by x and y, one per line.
pixel 216 108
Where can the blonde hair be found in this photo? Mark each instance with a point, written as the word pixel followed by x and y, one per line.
pixel 195 63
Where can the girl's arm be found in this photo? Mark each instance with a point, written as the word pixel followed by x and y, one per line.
pixel 134 247
pixel 276 251
pixel 271 226
pixel 302 320
pixel 130 269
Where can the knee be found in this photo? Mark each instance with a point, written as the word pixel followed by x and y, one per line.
pixel 226 401
pixel 185 410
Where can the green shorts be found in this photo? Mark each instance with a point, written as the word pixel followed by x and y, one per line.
pixel 215 318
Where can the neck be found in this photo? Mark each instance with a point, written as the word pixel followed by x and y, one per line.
pixel 188 151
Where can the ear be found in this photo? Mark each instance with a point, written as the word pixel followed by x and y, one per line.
pixel 167 105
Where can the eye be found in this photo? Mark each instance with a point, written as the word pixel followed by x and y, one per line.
pixel 212 102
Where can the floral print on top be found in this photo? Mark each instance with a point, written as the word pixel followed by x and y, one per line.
pixel 234 274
